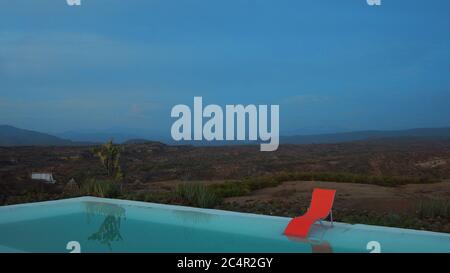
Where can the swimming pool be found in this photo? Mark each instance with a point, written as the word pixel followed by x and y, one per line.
pixel 110 225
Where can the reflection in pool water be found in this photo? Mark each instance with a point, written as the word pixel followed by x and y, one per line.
pixel 109 230
pixel 315 239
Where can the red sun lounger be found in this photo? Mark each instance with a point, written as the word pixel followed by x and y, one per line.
pixel 319 209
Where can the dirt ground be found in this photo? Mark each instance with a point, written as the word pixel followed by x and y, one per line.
pixel 352 196
pixel 349 196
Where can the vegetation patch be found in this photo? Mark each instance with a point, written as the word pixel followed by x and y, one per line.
pixel 433 208
pixel 389 181
pixel 246 186
pixel 152 197
pixel 243 187
pixel 195 194
pixel 101 188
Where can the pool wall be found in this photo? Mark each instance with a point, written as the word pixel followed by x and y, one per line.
pixel 347 237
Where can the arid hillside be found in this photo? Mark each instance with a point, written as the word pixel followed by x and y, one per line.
pixel 397 182
pixel 145 163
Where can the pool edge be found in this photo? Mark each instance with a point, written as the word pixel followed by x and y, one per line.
pixel 211 211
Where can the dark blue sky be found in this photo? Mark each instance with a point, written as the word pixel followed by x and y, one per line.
pixel 331 65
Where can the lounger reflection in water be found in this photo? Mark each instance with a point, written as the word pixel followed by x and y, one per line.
pixel 317 244
pixel 319 209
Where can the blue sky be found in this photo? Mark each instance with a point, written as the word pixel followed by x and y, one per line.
pixel 331 65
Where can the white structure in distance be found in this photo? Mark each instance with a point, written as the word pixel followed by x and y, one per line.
pixel 46 177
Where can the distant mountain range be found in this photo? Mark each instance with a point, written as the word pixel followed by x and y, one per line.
pixel 367 135
pixel 12 136
pixel 119 135
pixel 98 137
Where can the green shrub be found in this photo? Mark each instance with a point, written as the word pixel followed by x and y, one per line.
pixel 152 197
pixel 389 181
pixel 389 220
pixel 432 208
pixel 100 188
pixel 196 194
pixel 28 198
pixel 230 189
pixel 109 155
pixel 246 186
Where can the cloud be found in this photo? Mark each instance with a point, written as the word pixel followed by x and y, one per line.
pixel 37 54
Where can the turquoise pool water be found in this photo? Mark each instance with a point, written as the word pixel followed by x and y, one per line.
pixel 106 225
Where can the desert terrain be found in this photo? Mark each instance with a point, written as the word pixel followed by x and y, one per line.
pixel 396 182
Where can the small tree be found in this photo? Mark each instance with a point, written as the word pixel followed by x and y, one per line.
pixel 109 155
